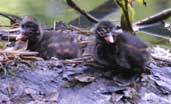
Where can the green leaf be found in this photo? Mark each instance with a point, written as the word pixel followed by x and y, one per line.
pixel 142 2
pixel 3 44
pixel 127 15
pixel 127 18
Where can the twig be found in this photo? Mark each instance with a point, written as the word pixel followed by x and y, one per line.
pixel 165 14
pixel 13 18
pixel 161 59
pixel 5 25
pixel 31 58
pixel 83 12
pixel 26 53
pixel 13 30
pixel 82 60
pixel 83 31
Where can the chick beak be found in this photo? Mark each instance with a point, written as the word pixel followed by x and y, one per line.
pixel 21 37
pixel 109 38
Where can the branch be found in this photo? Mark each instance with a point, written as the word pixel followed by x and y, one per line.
pixel 13 18
pixel 13 30
pixel 81 11
pixel 165 14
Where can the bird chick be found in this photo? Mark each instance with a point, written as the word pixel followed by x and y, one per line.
pixel 119 50
pixel 48 43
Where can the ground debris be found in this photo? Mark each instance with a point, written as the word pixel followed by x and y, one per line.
pixel 161 54
pixel 45 83
pixel 84 78
pixel 74 82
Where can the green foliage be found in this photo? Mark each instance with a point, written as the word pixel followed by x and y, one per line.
pixel 142 2
pixel 128 13
pixel 3 44
pixel 47 11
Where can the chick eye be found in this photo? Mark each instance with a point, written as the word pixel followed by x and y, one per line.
pixel 23 26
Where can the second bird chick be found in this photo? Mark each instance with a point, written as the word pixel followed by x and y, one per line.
pixel 119 50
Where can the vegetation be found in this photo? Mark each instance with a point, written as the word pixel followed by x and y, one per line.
pixel 47 11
